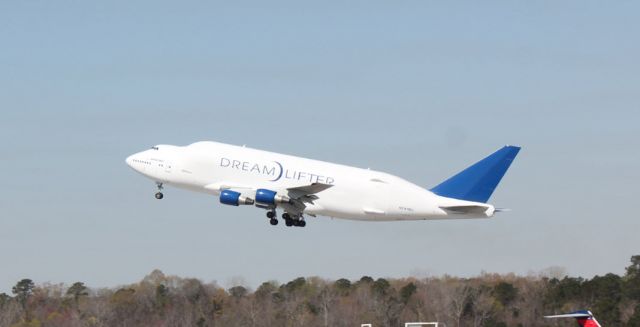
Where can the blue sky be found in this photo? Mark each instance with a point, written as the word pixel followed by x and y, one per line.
pixel 418 89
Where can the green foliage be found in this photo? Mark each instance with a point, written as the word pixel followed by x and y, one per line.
pixel 295 285
pixel 23 290
pixel 380 286
pixel 633 270
pixel 76 291
pixel 343 286
pixel 365 280
pixel 277 297
pixel 632 279
pixel 505 293
pixel 312 308
pixel 4 299
pixel 562 291
pixel 238 292
pixel 407 291
pixel 162 296
pixel 266 289
pixel 607 292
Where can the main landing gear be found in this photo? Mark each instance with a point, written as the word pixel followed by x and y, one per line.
pixel 159 195
pixel 297 220
pixel 289 220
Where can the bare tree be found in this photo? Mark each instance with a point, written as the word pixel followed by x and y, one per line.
pixel 483 305
pixel 327 299
pixel 456 294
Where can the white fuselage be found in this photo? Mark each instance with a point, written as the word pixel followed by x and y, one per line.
pixel 356 193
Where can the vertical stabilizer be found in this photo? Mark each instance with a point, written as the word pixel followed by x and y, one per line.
pixel 478 182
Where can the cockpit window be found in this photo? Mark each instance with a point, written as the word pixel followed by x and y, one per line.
pixel 154 147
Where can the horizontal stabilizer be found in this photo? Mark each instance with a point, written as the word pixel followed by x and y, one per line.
pixel 578 314
pixel 583 317
pixel 478 182
pixel 465 209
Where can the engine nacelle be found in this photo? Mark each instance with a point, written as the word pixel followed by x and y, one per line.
pixel 234 198
pixel 269 197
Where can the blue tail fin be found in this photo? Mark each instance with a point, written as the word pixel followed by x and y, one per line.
pixel 478 182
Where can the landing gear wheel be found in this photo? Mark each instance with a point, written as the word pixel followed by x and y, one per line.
pixel 288 222
pixel 271 215
pixel 286 216
pixel 302 223
pixel 273 221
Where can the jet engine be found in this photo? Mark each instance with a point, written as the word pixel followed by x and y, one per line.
pixel 234 198
pixel 269 197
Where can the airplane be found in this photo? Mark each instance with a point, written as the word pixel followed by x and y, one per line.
pixel 584 317
pixel 239 175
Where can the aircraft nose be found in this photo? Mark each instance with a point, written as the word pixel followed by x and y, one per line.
pixel 129 161
pixel 138 162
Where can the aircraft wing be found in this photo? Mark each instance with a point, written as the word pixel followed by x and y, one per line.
pixel 306 193
pixel 298 192
pixel 221 186
pixel 301 195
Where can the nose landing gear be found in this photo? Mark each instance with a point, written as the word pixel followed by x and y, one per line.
pixel 159 194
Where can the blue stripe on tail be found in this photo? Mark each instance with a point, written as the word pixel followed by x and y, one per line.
pixel 478 182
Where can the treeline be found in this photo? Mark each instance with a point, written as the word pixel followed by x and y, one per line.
pixel 487 300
